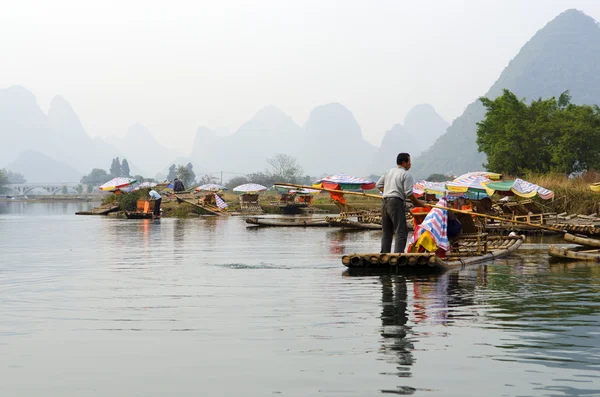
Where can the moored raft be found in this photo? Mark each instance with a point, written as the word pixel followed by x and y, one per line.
pixel 278 222
pixel 469 252
pixel 586 241
pixel 574 253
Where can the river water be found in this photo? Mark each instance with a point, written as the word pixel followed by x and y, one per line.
pixel 95 306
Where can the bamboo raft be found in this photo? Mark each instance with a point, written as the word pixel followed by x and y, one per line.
pixel 588 230
pixel 586 241
pixel 574 253
pixel 138 215
pixel 471 250
pixel 278 222
pixel 102 210
pixel 345 222
pixel 211 209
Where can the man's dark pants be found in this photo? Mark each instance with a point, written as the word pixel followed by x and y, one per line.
pixel 157 207
pixel 393 222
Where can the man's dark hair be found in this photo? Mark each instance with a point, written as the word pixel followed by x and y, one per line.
pixel 402 157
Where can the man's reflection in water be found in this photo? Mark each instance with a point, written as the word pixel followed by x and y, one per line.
pixel 179 232
pixel 394 319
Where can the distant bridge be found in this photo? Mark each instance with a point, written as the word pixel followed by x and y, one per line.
pixel 21 189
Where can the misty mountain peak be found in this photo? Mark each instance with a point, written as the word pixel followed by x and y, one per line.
pixel 333 121
pixel 271 115
pixel 19 96
pixel 138 132
pixel 59 102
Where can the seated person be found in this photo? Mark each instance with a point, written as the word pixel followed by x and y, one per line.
pixel 454 226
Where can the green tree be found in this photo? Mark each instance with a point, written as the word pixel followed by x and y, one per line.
pixel 96 177
pixel 79 189
pixel 3 181
pixel 439 178
pixel 549 135
pixel 285 168
pixel 115 167
pixel 206 179
pixel 186 174
pixel 172 172
pixel 125 171
pixel 13 177
pixel 236 181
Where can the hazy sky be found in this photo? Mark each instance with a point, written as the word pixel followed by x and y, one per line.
pixel 174 66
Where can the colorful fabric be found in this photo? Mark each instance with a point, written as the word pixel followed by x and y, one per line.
pixel 519 187
pixel 220 202
pixel 346 182
pixel 463 184
pixel 490 175
pixel 339 197
pixel 249 188
pixel 436 223
pixel 426 241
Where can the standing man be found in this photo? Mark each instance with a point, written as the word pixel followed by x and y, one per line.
pixel 397 186
pixel 178 186
pixel 157 199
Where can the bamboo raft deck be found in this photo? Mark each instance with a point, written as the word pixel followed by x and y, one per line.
pixel 345 222
pixel 472 250
pixel 138 215
pixel 102 210
pixel 585 241
pixel 289 222
pixel 211 209
pixel 574 254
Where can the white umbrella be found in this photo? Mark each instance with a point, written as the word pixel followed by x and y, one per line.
pixel 249 188
pixel 210 187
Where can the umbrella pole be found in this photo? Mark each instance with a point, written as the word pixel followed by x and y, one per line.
pixel 434 206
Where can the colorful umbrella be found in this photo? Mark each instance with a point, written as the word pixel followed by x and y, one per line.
pixel 293 189
pixel 116 183
pixel 422 187
pixel 519 187
pixel 490 175
pixel 344 182
pixel 249 188
pixel 210 187
pixel 467 182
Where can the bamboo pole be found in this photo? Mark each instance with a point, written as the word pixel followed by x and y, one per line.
pixel 432 206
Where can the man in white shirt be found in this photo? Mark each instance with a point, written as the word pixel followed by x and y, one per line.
pixel 397 186
pixel 157 199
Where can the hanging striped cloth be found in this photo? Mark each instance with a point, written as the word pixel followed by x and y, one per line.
pixel 436 223
pixel 220 202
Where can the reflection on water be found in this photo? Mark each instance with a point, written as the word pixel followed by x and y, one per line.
pixel 206 306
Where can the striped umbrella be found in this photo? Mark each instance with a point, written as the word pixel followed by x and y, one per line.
pixel 117 183
pixel 210 187
pixel 345 182
pixel 249 188
pixel 519 187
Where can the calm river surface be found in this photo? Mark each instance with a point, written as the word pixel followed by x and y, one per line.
pixel 94 306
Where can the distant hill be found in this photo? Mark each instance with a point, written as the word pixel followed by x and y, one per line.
pixel 23 125
pixel 333 143
pixel 563 55
pixel 37 167
pixel 76 147
pixel 140 147
pixel 422 126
